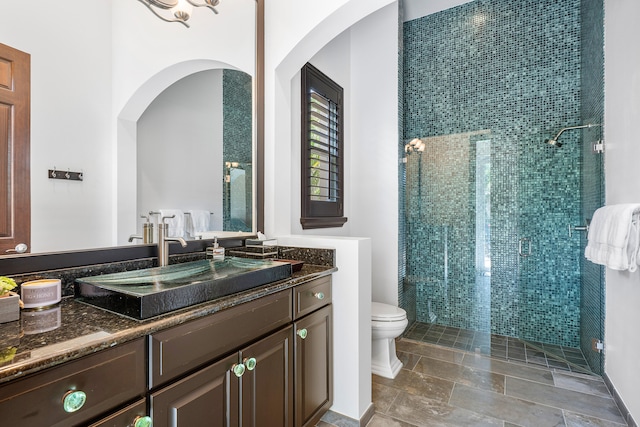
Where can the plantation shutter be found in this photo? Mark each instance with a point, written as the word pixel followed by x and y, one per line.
pixel 322 151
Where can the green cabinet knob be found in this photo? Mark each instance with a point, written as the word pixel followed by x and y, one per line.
pixel 238 369
pixel 302 333
pixel 73 400
pixel 145 421
pixel 319 295
pixel 250 363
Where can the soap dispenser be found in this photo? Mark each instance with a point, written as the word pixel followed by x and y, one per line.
pixel 215 252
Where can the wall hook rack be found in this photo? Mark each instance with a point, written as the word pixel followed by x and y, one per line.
pixel 66 175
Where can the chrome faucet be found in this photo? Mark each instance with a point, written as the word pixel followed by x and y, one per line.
pixel 163 243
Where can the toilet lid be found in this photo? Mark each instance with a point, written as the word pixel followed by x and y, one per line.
pixel 386 312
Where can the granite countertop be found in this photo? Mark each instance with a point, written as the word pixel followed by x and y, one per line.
pixel 72 329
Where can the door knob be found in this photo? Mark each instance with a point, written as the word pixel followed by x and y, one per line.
pixel 20 248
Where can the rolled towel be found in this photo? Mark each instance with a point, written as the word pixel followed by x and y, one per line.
pixel 176 224
pixel 614 238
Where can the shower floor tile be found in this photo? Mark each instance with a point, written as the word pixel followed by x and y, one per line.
pixel 501 347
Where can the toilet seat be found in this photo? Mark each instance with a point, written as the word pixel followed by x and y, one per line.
pixel 387 313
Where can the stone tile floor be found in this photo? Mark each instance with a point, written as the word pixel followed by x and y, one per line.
pixel 444 387
pixel 498 346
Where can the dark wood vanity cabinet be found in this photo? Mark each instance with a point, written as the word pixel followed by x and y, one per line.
pixel 208 397
pixel 314 370
pixel 78 392
pixel 313 351
pixel 263 363
pixel 258 394
pixel 127 416
pixel 267 390
pixel 281 379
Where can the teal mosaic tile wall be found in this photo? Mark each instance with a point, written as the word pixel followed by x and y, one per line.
pixel 484 84
pixel 237 110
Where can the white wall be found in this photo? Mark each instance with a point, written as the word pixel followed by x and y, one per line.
pixel 179 148
pixel 362 59
pixel 374 145
pixel 351 298
pixel 294 37
pixel 356 45
pixel 334 60
pixel 622 155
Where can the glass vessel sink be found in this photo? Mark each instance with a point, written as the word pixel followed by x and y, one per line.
pixel 142 294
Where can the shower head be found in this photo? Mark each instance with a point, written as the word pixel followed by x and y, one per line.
pixel 554 141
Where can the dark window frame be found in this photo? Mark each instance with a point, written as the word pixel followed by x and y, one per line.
pixel 316 178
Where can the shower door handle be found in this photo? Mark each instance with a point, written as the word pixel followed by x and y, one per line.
pixel 524 247
pixel 584 227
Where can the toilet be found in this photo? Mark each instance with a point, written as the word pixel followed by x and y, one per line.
pixel 387 323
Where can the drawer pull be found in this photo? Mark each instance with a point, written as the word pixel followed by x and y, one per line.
pixel 319 295
pixel 73 400
pixel 145 421
pixel 250 363
pixel 302 333
pixel 238 369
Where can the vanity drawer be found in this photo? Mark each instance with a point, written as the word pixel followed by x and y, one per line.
pixel 108 378
pixel 311 296
pixel 183 348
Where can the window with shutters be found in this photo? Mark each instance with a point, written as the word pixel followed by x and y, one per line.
pixel 322 151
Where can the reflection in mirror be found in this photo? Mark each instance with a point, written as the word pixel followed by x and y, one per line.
pixel 186 137
pixel 84 111
pixel 237 206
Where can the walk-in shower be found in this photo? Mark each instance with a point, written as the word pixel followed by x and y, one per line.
pixel 484 224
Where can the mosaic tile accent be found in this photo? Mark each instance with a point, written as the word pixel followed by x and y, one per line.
pixel 484 84
pixel 237 111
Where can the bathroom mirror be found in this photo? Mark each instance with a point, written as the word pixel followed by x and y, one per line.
pixel 82 85
pixel 209 157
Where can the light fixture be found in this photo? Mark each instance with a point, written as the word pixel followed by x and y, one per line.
pixel 415 144
pixel 177 10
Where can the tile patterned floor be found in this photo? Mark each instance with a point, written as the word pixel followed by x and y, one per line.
pixel 448 387
pixel 498 346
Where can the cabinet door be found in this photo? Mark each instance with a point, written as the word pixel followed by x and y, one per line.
pixel 267 389
pixel 313 367
pixel 208 397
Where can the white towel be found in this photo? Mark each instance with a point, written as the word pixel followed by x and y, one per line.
pixel 197 222
pixel 175 224
pixel 613 237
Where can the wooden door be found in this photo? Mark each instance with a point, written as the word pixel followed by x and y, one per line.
pixel 15 187
pixel 313 367
pixel 208 397
pixel 267 390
